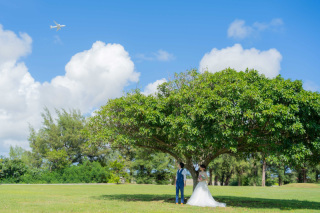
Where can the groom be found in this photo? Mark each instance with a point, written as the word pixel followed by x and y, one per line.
pixel 180 182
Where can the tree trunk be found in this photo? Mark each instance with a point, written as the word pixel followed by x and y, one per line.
pixel 240 178
pixel 210 178
pixel 216 180
pixel 304 175
pixel 255 172
pixel 264 165
pixel 280 180
pixel 280 176
pixel 222 180
pixel 195 181
pixel 131 175
pixel 228 179
pixel 317 175
pixel 194 174
pixel 173 180
pixel 300 176
pixel 255 175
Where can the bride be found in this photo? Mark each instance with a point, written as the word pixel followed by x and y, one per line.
pixel 201 195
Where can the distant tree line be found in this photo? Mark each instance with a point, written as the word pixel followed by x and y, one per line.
pixel 60 154
pixel 141 167
pixel 248 171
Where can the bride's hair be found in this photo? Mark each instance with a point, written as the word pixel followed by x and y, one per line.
pixel 203 166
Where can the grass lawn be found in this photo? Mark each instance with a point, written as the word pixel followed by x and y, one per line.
pixel 154 198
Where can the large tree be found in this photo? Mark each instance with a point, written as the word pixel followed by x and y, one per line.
pixel 58 142
pixel 195 117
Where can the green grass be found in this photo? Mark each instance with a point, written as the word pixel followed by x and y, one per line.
pixel 154 198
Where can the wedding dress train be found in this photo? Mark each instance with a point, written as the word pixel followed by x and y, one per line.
pixel 201 196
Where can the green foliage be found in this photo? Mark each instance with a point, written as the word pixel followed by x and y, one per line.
pixel 118 170
pixel 17 153
pixel 224 168
pixel 27 157
pixel 12 170
pixel 35 175
pixel 153 167
pixel 279 166
pixel 58 142
pixel 58 159
pixel 247 171
pixel 254 172
pixel 88 172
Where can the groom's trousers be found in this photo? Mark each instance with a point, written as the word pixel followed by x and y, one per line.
pixel 180 186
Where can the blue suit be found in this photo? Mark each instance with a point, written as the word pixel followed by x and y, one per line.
pixel 180 186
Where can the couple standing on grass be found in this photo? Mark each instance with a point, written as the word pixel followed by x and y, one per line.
pixel 201 195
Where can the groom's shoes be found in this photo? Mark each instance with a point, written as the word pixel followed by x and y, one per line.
pixel 177 203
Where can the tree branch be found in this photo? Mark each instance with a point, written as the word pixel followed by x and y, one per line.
pixel 162 142
pixel 212 157
pixel 162 150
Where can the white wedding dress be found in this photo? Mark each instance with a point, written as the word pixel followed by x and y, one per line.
pixel 201 195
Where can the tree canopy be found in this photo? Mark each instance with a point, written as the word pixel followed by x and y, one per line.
pixel 196 117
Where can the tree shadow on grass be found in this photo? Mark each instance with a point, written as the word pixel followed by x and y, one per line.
pixel 265 203
pixel 231 201
pixel 164 198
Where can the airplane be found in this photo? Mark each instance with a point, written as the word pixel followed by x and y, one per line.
pixel 58 26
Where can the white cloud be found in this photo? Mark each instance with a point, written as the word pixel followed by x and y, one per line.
pixel 92 77
pixel 143 57
pixel 12 46
pixel 239 30
pixel 57 39
pixel 312 86
pixel 18 90
pixel 160 55
pixel 151 88
pixel 22 143
pixel 266 62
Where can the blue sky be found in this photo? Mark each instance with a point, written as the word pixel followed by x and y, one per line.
pixel 187 29
pixel 160 37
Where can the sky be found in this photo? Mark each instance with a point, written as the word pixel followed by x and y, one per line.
pixel 109 47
